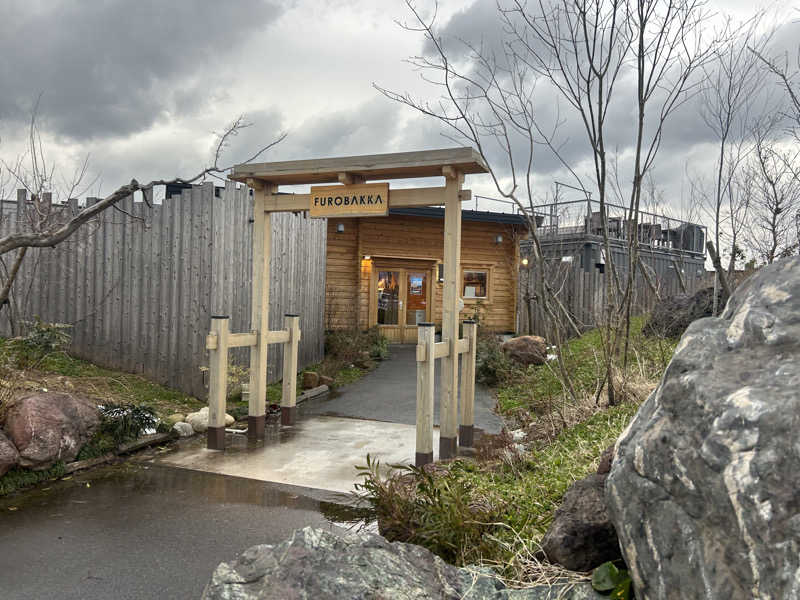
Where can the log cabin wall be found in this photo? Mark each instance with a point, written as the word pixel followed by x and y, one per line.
pixel 417 243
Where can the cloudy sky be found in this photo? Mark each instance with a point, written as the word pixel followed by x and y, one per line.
pixel 142 87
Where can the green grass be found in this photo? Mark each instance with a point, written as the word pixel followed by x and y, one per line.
pixel 348 375
pixel 18 478
pixel 119 386
pixel 474 511
pixel 583 360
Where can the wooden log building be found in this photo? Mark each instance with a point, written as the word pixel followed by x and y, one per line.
pixel 387 271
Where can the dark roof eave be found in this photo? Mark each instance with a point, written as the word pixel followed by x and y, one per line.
pixel 436 212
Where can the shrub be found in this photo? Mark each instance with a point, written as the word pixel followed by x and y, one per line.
pixel 42 340
pixel 492 366
pixel 347 345
pixel 126 422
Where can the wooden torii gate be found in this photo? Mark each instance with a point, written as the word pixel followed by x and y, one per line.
pixel 353 196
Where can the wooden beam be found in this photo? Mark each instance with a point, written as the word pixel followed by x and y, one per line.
pixel 281 336
pixel 242 340
pixel 289 396
pixel 466 428
pixel 218 383
pixel 426 163
pixel 259 315
pixel 398 198
pixel 350 178
pixel 426 335
pixel 440 350
pixel 448 417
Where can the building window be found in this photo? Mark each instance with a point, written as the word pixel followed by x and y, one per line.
pixel 476 284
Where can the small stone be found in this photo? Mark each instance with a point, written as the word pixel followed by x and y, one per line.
pixel 518 435
pixel 310 380
pixel 198 421
pixel 229 420
pixel 175 418
pixel 183 429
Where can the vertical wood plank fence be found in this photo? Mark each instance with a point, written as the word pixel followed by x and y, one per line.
pixel 582 290
pixel 139 285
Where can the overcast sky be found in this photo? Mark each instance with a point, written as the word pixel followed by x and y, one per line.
pixel 142 87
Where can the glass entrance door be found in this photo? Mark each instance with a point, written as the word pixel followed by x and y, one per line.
pixel 389 297
pixel 402 298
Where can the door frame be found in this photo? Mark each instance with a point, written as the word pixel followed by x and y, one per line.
pixel 402 333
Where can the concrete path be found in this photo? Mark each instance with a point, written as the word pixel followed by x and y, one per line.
pixel 319 452
pixel 389 393
pixel 375 415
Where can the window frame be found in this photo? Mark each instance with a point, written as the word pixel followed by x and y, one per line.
pixel 477 269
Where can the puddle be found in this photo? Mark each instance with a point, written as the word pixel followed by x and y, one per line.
pixel 140 530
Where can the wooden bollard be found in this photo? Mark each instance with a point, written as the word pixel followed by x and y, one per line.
pixel 290 347
pixel 218 382
pixel 466 430
pixel 426 338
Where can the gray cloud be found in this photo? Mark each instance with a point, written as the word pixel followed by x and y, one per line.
pixel 116 67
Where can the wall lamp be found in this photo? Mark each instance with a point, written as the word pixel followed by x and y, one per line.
pixel 340 228
pixel 498 239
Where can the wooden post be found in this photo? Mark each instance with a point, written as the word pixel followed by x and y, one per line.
pixel 289 397
pixel 259 316
pixel 218 382
pixel 426 338
pixel 466 431
pixel 448 410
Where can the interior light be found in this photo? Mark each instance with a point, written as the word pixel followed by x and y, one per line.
pixel 524 262
pixel 367 257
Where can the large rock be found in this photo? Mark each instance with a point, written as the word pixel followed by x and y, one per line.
pixel 704 487
pixel 47 427
pixel 316 564
pixel 581 536
pixel 671 316
pixel 526 349
pixel 199 420
pixel 9 457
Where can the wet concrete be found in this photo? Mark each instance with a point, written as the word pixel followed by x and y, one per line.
pixel 389 393
pixel 142 531
pixel 319 452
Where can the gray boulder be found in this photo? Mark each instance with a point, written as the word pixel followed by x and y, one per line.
pixel 319 565
pixel 703 490
pixel 9 457
pixel 581 536
pixel 47 427
pixel 671 316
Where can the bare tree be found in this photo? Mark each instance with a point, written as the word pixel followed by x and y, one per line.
pixel 580 48
pixel 772 182
pixel 731 95
pixel 49 221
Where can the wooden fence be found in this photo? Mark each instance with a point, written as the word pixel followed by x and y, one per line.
pixel 139 284
pixel 580 283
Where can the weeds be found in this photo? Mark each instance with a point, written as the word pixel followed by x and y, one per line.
pixel 478 512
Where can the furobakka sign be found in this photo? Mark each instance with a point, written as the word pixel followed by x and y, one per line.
pixel 361 200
